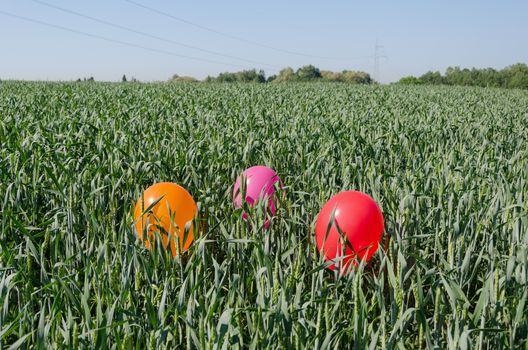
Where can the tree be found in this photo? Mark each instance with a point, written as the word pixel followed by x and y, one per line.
pixel 226 78
pixel 245 76
pixel 410 80
pixel 286 74
pixel 271 78
pixel 261 76
pixel 124 79
pixel 514 76
pixel 183 79
pixel 346 76
pixel 356 77
pixel 517 76
pixel 308 73
pixel 432 78
pixel 518 81
pixel 328 75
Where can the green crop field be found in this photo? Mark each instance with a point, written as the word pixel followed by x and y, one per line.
pixel 448 166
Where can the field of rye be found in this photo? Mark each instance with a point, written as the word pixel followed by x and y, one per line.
pixel 448 166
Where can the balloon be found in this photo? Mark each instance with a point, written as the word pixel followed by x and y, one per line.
pixel 260 181
pixel 174 201
pixel 360 220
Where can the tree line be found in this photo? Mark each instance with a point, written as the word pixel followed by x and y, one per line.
pixel 514 76
pixel 308 73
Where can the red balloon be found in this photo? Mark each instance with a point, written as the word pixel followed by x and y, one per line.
pixel 361 222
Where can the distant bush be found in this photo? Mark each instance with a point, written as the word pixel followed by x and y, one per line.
pixel 271 78
pixel 410 80
pixel 182 79
pixel 311 73
pixel 245 76
pixel 356 77
pixel 514 76
pixel 306 73
pixel 85 79
pixel 286 74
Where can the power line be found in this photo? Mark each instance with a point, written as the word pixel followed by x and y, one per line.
pixel 115 41
pixel 247 41
pixel 98 20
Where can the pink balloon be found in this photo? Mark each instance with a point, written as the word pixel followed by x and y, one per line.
pixel 260 182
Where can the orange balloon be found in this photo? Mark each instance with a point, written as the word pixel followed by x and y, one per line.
pixel 173 201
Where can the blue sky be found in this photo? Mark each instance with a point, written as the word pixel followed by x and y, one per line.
pixel 417 36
